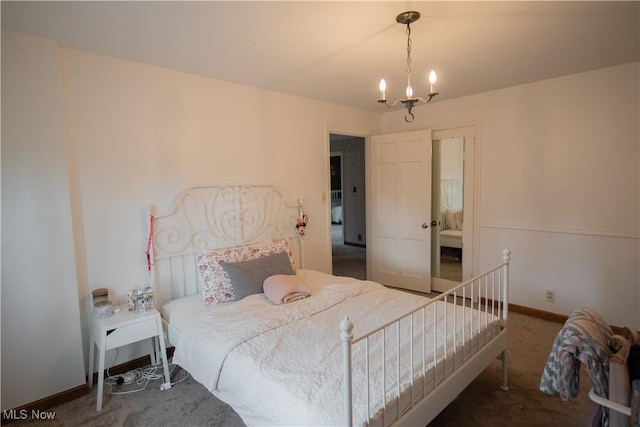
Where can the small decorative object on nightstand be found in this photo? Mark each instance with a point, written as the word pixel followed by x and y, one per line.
pixel 122 328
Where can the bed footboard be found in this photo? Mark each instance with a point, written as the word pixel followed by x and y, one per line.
pixel 412 367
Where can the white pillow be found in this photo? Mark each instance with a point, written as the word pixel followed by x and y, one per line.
pixel 454 219
pixel 451 219
pixel 459 216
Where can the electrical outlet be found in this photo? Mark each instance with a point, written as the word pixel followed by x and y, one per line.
pixel 550 295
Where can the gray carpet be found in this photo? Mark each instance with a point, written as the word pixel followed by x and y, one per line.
pixel 483 403
pixel 347 260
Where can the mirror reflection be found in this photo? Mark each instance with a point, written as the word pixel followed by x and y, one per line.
pixel 447 208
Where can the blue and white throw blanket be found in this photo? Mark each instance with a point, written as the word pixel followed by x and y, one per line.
pixel 585 338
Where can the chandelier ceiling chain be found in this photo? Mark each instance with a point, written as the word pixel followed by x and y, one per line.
pixel 407 18
pixel 408 55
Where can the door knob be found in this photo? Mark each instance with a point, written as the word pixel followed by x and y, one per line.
pixel 425 225
pixel 434 223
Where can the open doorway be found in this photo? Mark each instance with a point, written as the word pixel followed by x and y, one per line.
pixel 348 206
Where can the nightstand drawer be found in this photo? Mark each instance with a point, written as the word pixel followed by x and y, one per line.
pixel 132 333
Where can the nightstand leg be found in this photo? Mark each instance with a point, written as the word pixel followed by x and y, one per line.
pixel 92 354
pixel 163 356
pixel 152 352
pixel 100 373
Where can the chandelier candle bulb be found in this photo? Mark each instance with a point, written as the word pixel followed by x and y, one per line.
pixel 383 87
pixel 432 80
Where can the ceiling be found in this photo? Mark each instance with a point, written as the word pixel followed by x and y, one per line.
pixel 338 51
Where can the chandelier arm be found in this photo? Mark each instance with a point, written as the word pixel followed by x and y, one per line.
pixel 393 104
pixel 431 95
pixel 429 98
pixel 415 99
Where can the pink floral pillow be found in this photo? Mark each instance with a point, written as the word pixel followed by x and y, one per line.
pixel 216 285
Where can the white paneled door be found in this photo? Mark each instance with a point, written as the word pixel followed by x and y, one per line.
pixel 400 197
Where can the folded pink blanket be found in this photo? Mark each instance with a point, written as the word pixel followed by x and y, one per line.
pixel 284 288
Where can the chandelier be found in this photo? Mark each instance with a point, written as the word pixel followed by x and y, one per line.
pixel 407 18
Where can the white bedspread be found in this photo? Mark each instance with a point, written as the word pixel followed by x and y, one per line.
pixel 282 364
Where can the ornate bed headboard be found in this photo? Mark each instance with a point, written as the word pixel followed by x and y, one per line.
pixel 204 218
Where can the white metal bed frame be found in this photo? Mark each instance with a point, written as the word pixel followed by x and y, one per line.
pixel 204 218
pixel 488 293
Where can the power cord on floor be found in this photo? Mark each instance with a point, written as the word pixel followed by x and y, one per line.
pixel 137 379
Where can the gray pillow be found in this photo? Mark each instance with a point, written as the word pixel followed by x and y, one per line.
pixel 247 276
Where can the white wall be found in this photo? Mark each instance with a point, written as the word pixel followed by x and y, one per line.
pixel 140 134
pixel 41 342
pixel 559 185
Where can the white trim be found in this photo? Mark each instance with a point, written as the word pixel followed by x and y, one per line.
pixel 564 230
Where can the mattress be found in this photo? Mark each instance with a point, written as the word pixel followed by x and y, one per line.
pixel 451 238
pixel 179 313
pixel 278 364
pixel 454 234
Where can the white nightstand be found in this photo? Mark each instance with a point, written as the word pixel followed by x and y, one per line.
pixel 123 328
